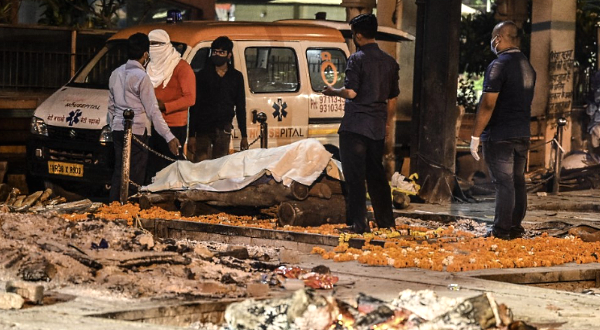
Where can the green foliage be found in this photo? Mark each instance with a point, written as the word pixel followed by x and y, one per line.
pixel 105 13
pixel 63 12
pixel 475 36
pixel 466 95
pixel 585 42
pixel 5 11
pixel 81 13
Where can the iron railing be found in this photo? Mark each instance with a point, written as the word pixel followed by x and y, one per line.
pixel 44 58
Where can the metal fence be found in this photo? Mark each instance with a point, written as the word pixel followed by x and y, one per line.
pixel 40 58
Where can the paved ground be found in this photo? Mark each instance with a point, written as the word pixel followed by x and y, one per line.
pixel 573 207
pixel 545 308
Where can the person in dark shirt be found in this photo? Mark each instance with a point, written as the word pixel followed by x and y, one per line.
pixel 370 89
pixel 220 96
pixel 503 124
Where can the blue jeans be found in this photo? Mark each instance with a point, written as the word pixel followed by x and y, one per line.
pixel 506 161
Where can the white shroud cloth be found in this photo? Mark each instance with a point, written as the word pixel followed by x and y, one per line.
pixel 303 161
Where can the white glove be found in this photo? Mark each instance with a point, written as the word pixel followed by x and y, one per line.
pixel 474 147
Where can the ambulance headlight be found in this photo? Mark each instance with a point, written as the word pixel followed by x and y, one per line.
pixel 38 126
pixel 106 134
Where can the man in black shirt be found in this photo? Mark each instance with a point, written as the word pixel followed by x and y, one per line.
pixel 370 90
pixel 502 123
pixel 219 97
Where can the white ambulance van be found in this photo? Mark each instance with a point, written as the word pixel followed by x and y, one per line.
pixel 285 66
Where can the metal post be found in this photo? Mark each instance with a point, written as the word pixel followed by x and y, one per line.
pixel 264 130
pixel 128 115
pixel 561 122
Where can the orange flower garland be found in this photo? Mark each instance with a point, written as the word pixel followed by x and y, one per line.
pixel 441 249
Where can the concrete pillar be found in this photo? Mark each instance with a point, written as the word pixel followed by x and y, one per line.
pixel 355 8
pixel 407 22
pixel 512 10
pixel 387 13
pixel 433 140
pixel 552 54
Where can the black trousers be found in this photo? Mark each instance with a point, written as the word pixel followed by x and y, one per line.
pixel 137 164
pixel 362 159
pixel 158 143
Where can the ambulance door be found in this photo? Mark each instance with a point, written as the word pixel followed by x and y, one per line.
pixel 326 64
pixel 273 81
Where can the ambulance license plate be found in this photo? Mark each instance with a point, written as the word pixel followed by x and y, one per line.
pixel 69 169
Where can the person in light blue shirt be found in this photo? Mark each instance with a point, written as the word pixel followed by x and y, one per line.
pixel 130 88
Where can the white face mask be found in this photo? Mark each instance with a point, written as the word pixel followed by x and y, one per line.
pixel 492 47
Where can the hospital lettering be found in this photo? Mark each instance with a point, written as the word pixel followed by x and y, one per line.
pixel 282 132
pixel 285 132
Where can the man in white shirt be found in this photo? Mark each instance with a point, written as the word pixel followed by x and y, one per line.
pixel 131 88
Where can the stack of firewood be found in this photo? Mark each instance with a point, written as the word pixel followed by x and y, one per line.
pixel 298 205
pixel 40 201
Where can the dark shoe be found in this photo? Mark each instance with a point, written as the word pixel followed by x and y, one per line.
pixel 352 230
pixel 517 232
pixel 491 233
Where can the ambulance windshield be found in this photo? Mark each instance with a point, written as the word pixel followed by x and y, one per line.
pixel 97 71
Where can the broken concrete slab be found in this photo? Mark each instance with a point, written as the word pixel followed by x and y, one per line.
pixel 9 300
pixel 30 291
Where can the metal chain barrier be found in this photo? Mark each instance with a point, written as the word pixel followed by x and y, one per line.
pixel 253 142
pixel 171 159
pixel 139 187
pixel 152 150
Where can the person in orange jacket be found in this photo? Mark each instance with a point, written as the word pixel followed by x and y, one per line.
pixel 175 88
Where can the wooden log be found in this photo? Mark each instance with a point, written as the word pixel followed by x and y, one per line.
pixel 190 208
pixel 29 201
pixel 45 196
pixel 312 212
pixel 165 200
pixel 299 191
pixel 335 185
pixel 259 195
pixel 19 201
pixel 400 200
pixel 71 251
pixel 155 258
pixel 84 205
pixel 320 190
pixel 12 196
